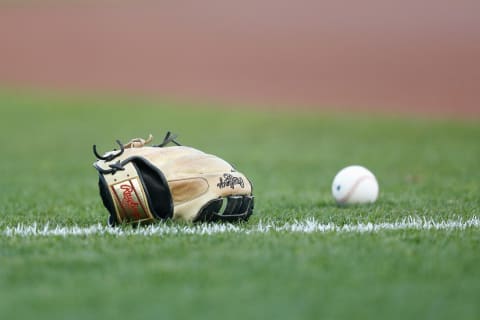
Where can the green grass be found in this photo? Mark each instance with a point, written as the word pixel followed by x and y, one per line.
pixel 426 168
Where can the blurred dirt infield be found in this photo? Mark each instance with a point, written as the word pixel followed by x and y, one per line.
pixel 409 56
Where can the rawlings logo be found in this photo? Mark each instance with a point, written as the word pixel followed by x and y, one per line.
pixel 230 181
pixel 129 202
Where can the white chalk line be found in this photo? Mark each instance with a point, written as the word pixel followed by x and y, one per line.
pixel 309 225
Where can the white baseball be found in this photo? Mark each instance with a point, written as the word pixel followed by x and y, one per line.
pixel 355 184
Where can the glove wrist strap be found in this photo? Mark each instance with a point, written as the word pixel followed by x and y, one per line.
pixel 129 196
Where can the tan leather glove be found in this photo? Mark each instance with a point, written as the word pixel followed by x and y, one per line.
pixel 142 184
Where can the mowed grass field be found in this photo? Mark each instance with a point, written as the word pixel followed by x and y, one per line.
pixel 427 169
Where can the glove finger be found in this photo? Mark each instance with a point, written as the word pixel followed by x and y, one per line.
pixel 247 201
pixel 233 204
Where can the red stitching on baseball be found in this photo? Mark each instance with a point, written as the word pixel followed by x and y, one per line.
pixel 352 189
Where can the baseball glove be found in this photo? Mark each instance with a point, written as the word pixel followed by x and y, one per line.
pixel 141 184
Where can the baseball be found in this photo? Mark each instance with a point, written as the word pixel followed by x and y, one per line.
pixel 355 185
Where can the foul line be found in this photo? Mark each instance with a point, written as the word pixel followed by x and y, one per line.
pixel 310 225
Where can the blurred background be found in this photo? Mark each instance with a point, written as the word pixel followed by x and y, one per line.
pixel 415 57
